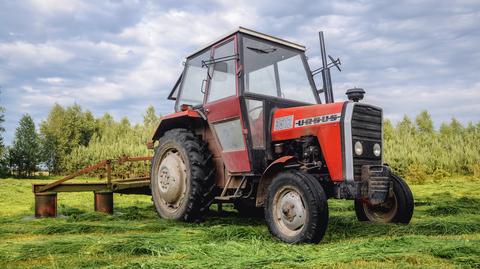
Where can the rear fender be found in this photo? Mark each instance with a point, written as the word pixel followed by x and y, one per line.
pixel 188 119
pixel 274 168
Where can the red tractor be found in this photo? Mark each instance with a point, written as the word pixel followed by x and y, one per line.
pixel 249 128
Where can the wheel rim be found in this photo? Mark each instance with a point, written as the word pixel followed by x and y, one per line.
pixel 171 180
pixel 384 212
pixel 289 211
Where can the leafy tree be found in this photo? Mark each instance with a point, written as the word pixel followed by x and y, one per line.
pixel 424 122
pixel 2 130
pixel 406 127
pixel 107 120
pixel 113 139
pixel 453 129
pixel 456 127
pixel 62 131
pixel 445 129
pixel 53 139
pixel 88 128
pixel 150 118
pixel 103 123
pixel 3 149
pixel 125 123
pixel 79 126
pixel 388 130
pixel 471 128
pixel 25 149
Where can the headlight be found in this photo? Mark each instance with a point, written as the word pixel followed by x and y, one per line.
pixel 358 148
pixel 377 149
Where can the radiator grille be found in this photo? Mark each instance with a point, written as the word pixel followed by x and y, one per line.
pixel 366 128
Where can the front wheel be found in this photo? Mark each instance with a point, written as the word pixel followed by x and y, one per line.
pixel 296 209
pixel 398 208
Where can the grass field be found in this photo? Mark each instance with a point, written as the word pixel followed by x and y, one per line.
pixel 444 233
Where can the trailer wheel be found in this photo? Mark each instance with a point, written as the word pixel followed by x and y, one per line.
pixel 296 209
pixel 397 209
pixel 182 176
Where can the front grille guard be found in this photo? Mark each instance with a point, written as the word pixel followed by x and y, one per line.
pixel 376 183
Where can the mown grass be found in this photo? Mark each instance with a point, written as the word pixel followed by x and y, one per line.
pixel 444 233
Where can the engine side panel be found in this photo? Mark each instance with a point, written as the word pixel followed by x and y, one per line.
pixel 322 121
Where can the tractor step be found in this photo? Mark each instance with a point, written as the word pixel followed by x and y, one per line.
pixel 237 194
pixel 227 198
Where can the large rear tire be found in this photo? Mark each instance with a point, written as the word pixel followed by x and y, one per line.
pixel 182 179
pixel 397 209
pixel 296 209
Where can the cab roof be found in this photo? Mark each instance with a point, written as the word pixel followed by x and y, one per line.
pixel 174 92
pixel 252 33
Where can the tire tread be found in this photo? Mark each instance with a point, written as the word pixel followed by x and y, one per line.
pixel 316 198
pixel 201 172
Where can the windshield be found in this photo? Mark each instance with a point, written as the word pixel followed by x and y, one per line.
pixel 276 71
pixel 195 73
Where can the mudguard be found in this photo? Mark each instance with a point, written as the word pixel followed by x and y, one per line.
pixel 267 177
pixel 182 119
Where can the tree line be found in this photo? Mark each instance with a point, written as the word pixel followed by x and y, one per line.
pixel 71 138
pixel 417 151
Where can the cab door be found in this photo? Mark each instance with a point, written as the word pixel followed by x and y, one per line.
pixel 222 107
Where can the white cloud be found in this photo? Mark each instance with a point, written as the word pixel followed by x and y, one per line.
pixel 100 92
pixel 52 80
pixel 22 54
pixel 121 56
pixel 57 6
pixel 40 101
pixel 30 90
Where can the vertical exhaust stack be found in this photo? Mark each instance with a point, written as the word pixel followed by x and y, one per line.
pixel 327 80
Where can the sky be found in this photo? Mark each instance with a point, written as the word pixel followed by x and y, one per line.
pixel 121 56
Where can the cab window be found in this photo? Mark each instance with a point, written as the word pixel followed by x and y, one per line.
pixel 276 70
pixel 195 74
pixel 222 83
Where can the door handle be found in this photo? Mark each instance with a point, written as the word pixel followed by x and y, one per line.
pixel 202 88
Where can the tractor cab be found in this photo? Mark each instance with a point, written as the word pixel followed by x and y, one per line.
pixel 249 128
pixel 236 83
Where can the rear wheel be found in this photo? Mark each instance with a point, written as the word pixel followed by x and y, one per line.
pixel 296 209
pixel 397 209
pixel 182 176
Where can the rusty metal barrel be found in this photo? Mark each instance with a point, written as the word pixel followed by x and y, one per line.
pixel 46 205
pixel 103 201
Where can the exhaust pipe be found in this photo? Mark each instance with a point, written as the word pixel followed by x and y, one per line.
pixel 327 80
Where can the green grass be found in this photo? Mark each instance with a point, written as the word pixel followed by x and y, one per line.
pixel 444 233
